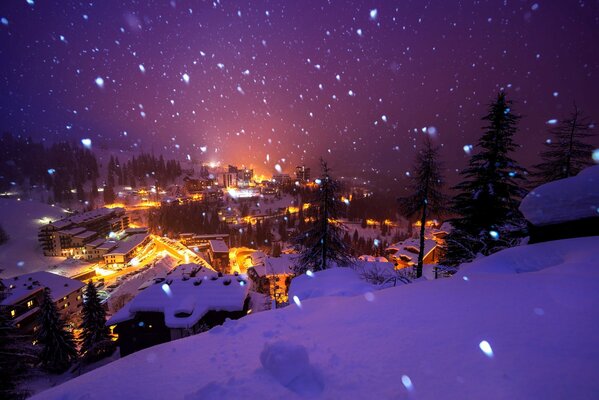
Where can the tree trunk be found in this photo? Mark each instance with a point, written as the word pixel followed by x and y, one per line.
pixel 421 253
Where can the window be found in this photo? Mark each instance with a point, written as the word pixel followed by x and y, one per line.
pixel 13 313
pixel 30 304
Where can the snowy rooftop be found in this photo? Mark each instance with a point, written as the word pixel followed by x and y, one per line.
pixel 85 217
pixel 564 200
pixel 23 285
pixel 411 248
pixel 185 302
pixel 72 231
pixel 129 243
pixel 86 235
pixel 95 243
pixel 277 265
pixel 218 246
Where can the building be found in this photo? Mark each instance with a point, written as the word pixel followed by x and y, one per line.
pixel 273 277
pixel 21 297
pixel 227 179
pixel 177 308
pixel 281 179
pixel 218 252
pixel 67 237
pixel 194 186
pixel 202 241
pixel 405 253
pixel 302 174
pixel 245 176
pixel 126 250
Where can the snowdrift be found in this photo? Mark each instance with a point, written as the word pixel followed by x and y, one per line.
pixel 521 324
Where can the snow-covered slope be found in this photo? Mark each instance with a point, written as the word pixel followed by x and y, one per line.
pixel 489 333
pixel 22 220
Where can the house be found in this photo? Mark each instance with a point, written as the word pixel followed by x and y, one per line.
pixel 273 276
pixel 405 253
pixel 218 252
pixel 177 308
pixel 126 250
pixel 21 296
pixel 563 209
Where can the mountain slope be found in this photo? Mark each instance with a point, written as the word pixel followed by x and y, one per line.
pixel 421 341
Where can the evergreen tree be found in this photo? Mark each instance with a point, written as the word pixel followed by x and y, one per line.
pixel 95 342
pixel 426 198
pixel 57 344
pixel 17 355
pixel 489 195
pixel 3 235
pixel 322 244
pixel 566 153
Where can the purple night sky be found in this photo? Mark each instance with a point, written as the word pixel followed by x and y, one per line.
pixel 290 81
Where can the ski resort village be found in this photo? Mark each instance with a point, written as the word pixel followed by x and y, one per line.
pixel 299 200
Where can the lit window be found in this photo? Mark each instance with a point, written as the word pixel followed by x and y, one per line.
pixel 66 305
pixel 13 313
pixel 64 298
pixel 30 304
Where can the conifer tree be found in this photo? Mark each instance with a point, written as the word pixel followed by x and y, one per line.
pixel 17 355
pixel 57 344
pixel 426 197
pixel 3 235
pixel 566 154
pixel 322 245
pixel 95 337
pixel 489 195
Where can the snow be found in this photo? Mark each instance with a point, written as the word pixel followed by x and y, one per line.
pixel 282 265
pixel 22 286
pixel 289 364
pixel 193 297
pixel 429 340
pixel 330 282
pixel 22 220
pixel 553 202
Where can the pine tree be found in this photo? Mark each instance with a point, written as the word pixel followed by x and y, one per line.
pixel 95 337
pixel 566 153
pixel 322 244
pixel 426 198
pixel 57 344
pixel 489 195
pixel 3 235
pixel 17 355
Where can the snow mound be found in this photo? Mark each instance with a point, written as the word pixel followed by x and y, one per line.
pixel 535 257
pixel 290 365
pixel 331 282
pixel 564 200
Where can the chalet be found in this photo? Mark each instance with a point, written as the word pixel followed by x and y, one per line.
pixel 22 295
pixel 565 208
pixel 218 252
pixel 405 253
pixel 126 250
pixel 177 308
pixel 273 276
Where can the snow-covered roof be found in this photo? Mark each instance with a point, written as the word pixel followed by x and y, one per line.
pixel 185 301
pixel 277 265
pixel 129 243
pixel 72 231
pixel 343 281
pixel 564 200
pixel 411 248
pixel 95 243
pixel 20 287
pixel 218 246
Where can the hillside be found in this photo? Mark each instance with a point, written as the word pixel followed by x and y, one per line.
pixel 21 220
pixel 519 324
